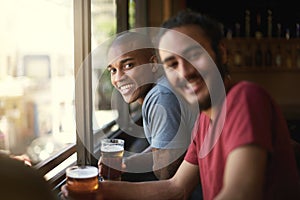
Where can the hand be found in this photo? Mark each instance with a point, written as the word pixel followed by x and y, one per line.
pixel 103 169
pixel 65 193
pixel 24 158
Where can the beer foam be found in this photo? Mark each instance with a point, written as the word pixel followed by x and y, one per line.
pixel 113 148
pixel 82 172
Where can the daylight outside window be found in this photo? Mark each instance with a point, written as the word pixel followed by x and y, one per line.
pixel 103 19
pixel 36 77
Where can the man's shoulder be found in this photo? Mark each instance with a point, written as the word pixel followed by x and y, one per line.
pixel 247 87
pixel 162 87
pixel 163 84
pixel 246 84
pixel 246 91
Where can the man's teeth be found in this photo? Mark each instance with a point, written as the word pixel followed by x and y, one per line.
pixel 125 87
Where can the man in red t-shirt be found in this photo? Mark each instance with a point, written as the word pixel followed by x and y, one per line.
pixel 240 147
pixel 253 147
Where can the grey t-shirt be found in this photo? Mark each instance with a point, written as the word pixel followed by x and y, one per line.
pixel 168 119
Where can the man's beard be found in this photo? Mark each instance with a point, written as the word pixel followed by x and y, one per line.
pixel 205 104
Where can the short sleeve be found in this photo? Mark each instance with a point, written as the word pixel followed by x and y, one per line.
pixel 162 121
pixel 191 155
pixel 249 117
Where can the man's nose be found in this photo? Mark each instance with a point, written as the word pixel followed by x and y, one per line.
pixel 185 68
pixel 119 75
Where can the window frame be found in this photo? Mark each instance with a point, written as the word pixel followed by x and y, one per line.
pixel 83 99
pixel 83 92
pixel 83 84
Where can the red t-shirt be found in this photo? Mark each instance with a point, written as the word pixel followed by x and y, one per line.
pixel 251 118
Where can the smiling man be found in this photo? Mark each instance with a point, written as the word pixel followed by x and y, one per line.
pixel 167 118
pixel 241 146
pixel 133 67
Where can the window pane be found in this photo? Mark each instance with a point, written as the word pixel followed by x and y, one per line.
pixel 131 13
pixel 103 27
pixel 36 77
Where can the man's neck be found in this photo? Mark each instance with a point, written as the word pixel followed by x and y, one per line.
pixel 211 111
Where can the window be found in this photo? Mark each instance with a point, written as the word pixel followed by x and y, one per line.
pixel 131 13
pixel 51 85
pixel 111 115
pixel 36 77
pixel 95 23
pixel 103 25
pixel 101 109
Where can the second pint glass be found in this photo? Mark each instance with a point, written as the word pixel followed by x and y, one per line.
pixel 112 151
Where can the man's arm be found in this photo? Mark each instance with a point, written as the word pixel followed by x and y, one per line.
pixel 163 162
pixel 244 173
pixel 141 160
pixel 166 162
pixel 178 187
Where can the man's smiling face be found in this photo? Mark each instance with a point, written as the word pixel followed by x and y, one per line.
pixel 131 73
pixel 189 69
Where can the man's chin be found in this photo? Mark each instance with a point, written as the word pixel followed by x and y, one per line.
pixel 130 100
pixel 191 99
pixel 127 99
pixel 205 105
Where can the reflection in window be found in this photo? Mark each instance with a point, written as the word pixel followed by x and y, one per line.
pixel 112 116
pixel 42 72
pixel 131 13
pixel 36 77
pixel 103 28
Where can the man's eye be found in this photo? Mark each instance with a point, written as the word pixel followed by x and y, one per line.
pixel 128 65
pixel 172 64
pixel 194 54
pixel 112 70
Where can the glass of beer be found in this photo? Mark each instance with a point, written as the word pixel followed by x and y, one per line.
pixel 82 182
pixel 112 151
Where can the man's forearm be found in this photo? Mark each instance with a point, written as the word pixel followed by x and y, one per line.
pixel 168 171
pixel 166 162
pixel 139 161
pixel 144 190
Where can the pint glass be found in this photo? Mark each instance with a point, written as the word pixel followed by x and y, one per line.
pixel 112 151
pixel 82 182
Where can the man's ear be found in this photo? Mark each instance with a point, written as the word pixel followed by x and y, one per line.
pixel 153 60
pixel 154 67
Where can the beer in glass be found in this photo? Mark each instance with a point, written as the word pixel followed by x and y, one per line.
pixel 82 182
pixel 112 151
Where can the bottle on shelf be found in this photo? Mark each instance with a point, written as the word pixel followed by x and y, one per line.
pixel 298 56
pixel 237 29
pixel 287 34
pixel 229 34
pixel 269 23
pixel 268 56
pixel 258 56
pixel 288 58
pixel 247 23
pixel 279 30
pixel 248 56
pixel 278 57
pixel 237 57
pixel 223 29
pixel 258 31
pixel 297 30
